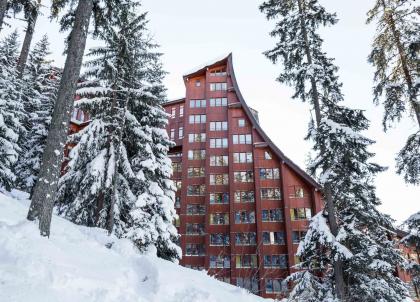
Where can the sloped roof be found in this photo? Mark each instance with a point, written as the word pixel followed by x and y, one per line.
pixel 203 67
pixel 261 132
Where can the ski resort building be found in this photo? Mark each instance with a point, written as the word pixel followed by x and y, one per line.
pixel 243 205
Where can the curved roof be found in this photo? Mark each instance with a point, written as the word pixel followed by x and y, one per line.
pixel 261 132
pixel 227 59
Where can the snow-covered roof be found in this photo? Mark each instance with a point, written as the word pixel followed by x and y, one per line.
pixel 209 63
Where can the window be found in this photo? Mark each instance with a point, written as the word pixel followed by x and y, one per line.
pixel 197 119
pixel 196 209
pixel 177 202
pixel 196 154
pixel 178 184
pixel 218 126
pixel 267 155
pixel 219 198
pixel 298 236
pixel 181 110
pixel 243 176
pixel 246 261
pixel 172 134
pixel 176 167
pixel 196 137
pixel 270 194
pixel 250 284
pixel 274 286
pixel 177 222
pixel 218 143
pixel 74 114
pixel 219 160
pixel 219 218
pixel 241 122
pixel 219 261
pixel 181 132
pixel 197 103
pixel 244 196
pixel 192 249
pixel 221 72
pixel 196 172
pixel 245 238
pixel 219 239
pixel 272 215
pixel 300 213
pixel 275 261
pixel 297 192
pixel 196 190
pixel 218 86
pixel 197 83
pixel 244 217
pixel 242 157
pixel 219 179
pixel 218 102
pixel 173 112
pixel 195 228
pixel 242 139
pixel 175 154
pixel 269 173
pixel 273 238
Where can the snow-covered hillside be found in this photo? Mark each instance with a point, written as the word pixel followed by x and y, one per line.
pixel 75 265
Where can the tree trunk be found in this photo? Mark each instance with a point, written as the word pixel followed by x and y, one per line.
pixel 404 65
pixel 43 198
pixel 338 265
pixel 3 9
pixel 27 41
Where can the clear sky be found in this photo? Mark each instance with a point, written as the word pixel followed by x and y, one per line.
pixel 192 32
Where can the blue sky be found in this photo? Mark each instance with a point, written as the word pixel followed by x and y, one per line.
pixel 192 32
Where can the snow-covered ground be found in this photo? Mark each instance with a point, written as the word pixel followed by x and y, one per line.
pixel 75 265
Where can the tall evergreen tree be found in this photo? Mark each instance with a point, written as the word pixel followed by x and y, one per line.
pixel 39 89
pixel 7 6
pixel 11 110
pixel 412 240
pixel 118 176
pixel 356 236
pixel 395 58
pixel 77 19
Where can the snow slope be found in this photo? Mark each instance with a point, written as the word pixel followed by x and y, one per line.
pixel 75 265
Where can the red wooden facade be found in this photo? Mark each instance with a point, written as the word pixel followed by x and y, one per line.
pixel 243 205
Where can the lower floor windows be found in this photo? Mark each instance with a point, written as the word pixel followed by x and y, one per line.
pixel 272 215
pixel 219 262
pixel 244 217
pixel 244 196
pixel 275 261
pixel 250 284
pixel 273 238
pixel 196 190
pixel 195 228
pixel 298 236
pixel 246 261
pixel 248 238
pixel 270 193
pixel 196 209
pixel 192 249
pixel 300 213
pixel 274 286
pixel 216 198
pixel 219 218
pixel 219 239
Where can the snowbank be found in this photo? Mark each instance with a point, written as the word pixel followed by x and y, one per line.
pixel 75 265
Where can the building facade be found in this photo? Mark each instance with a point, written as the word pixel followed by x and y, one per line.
pixel 243 206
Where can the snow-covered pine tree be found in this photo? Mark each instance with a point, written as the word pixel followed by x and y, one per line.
pixel 11 110
pixel 412 240
pixel 39 89
pixel 342 163
pixel 118 176
pixel 395 58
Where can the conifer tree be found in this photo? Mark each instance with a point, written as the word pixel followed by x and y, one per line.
pixel 395 58
pixel 351 257
pixel 412 240
pixel 11 110
pixel 39 89
pixel 7 6
pixel 118 176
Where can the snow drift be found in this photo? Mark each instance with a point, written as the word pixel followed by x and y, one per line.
pixel 81 264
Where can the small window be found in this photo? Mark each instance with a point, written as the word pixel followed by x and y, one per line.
pixel 173 112
pixel 181 132
pixel 181 110
pixel 241 122
pixel 197 83
pixel 267 155
pixel 172 134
